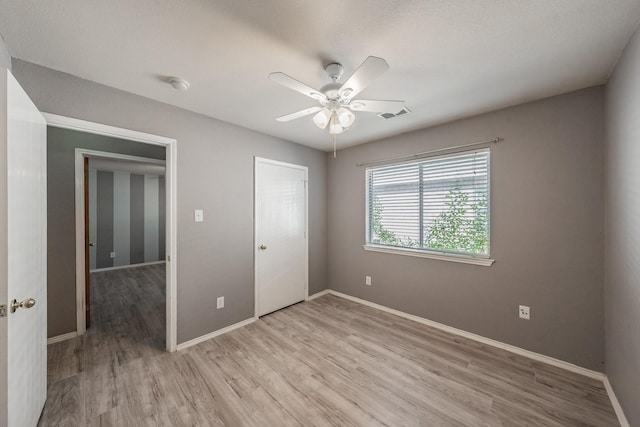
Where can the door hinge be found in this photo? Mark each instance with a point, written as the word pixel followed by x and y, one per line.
pixel 3 310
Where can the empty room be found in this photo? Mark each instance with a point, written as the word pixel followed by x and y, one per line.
pixel 337 213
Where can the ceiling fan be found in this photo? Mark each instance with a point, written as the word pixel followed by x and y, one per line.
pixel 337 103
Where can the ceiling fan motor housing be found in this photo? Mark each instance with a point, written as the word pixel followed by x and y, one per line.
pixel 332 91
pixel 337 103
pixel 334 70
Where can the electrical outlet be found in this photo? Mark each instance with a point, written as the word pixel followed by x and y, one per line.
pixel 198 215
pixel 220 303
pixel 112 254
pixel 524 312
pixel 367 280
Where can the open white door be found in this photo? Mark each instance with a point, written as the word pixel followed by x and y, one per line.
pixel 23 256
pixel 281 235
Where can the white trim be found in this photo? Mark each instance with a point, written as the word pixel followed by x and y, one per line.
pixel 106 130
pixel 81 326
pixel 318 294
pixel 63 337
pixel 118 156
pixel 120 267
pixel 424 254
pixel 256 283
pixel 513 349
pixel 488 341
pixel 171 164
pixel 171 224
pixel 80 154
pixel 214 334
pixel 622 419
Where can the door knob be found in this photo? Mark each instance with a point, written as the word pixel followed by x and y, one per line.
pixel 28 303
pixel 90 243
pixel 262 247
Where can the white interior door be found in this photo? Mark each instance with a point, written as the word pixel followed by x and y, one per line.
pixel 281 235
pixel 23 251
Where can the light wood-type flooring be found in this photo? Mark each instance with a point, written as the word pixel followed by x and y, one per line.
pixel 326 362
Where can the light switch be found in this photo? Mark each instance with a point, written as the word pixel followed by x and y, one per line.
pixel 198 215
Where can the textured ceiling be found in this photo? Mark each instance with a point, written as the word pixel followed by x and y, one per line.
pixel 449 58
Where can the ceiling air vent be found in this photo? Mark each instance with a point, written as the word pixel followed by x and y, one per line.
pixel 405 110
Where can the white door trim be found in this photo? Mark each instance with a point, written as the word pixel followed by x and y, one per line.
pixel 80 154
pixel 263 160
pixel 171 164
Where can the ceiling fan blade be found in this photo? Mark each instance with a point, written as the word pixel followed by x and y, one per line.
pixel 371 68
pixel 294 84
pixel 299 114
pixel 376 106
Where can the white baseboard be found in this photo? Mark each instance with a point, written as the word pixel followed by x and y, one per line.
pixel 488 341
pixel 63 337
pixel 214 334
pixel 318 294
pixel 119 267
pixel 230 328
pixel 616 404
pixel 479 338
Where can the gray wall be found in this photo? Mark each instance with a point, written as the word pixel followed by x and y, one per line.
pixel 104 218
pixel 215 173
pixel 547 239
pixel 124 214
pixel 61 245
pixel 162 235
pixel 622 286
pixel 136 201
pixel 5 57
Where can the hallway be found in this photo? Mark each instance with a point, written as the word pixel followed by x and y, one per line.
pixel 128 325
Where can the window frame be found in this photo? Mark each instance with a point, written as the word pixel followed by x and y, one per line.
pixel 476 259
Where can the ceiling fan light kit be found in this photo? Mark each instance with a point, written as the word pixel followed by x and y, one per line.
pixel 335 128
pixel 345 116
pixel 338 120
pixel 336 99
pixel 322 118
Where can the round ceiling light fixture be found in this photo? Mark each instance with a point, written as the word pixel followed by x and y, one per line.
pixel 179 84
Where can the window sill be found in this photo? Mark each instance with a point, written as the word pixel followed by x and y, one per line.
pixel 432 255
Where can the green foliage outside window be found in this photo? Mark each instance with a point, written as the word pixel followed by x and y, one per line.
pixel 455 229
pixel 384 236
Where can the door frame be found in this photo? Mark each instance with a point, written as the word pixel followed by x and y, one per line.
pixel 81 155
pixel 171 190
pixel 262 160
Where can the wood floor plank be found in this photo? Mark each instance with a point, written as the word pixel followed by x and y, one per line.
pixel 326 362
pixel 65 403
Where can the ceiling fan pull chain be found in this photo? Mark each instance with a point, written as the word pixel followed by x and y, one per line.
pixel 334 146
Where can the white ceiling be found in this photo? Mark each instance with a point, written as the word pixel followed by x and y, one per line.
pixel 449 58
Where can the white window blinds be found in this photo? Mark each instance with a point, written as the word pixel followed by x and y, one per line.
pixel 436 204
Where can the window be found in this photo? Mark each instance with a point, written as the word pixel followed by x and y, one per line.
pixel 433 205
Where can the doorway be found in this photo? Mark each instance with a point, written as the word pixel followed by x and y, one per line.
pixel 281 230
pixel 80 215
pixel 125 230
